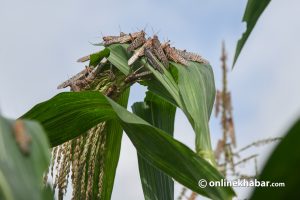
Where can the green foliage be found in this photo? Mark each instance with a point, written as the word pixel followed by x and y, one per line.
pixel 197 91
pixel 161 114
pixel 252 13
pixel 282 167
pixel 97 57
pixel 191 88
pixel 119 57
pixel 155 145
pixel 68 117
pixel 21 174
pixel 193 92
pixel 167 81
pixel 114 132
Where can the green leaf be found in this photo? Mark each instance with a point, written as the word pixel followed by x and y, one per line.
pixel 169 155
pixel 172 157
pixel 161 114
pixel 167 80
pixel 119 57
pixel 191 88
pixel 197 91
pixel 157 88
pixel 282 167
pixel 97 57
pixel 59 114
pixel 21 174
pixel 114 132
pixel 56 124
pixel 252 13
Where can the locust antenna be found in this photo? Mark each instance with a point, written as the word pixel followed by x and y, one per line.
pixel 145 27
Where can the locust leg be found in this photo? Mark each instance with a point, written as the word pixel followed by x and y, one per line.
pixel 135 76
pixel 111 72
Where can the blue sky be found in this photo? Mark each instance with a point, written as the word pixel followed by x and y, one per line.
pixel 40 42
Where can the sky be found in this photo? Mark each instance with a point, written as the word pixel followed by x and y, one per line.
pixel 40 42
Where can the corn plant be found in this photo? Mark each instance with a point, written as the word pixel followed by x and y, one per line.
pixel 85 126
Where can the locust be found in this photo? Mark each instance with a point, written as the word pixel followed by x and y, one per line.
pixel 84 59
pixel 111 90
pixel 140 52
pixel 131 37
pixel 137 42
pixel 118 39
pixel 173 55
pixel 23 140
pixel 71 82
pixel 82 83
pixel 191 56
pixel 131 78
pixel 82 79
pixel 122 34
pixel 152 59
pixel 108 40
pixel 165 44
pixel 158 51
pixel 137 34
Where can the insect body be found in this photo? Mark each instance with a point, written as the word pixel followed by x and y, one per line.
pixel 158 51
pixel 165 44
pixel 117 39
pixel 122 34
pixel 22 138
pixel 136 76
pixel 81 75
pixel 152 60
pixel 191 56
pixel 173 55
pixel 139 41
pixel 82 79
pixel 111 90
pixel 137 34
pixel 107 38
pixel 123 38
pixel 84 59
pixel 140 52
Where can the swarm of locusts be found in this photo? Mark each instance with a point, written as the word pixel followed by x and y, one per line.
pixel 151 48
pixel 81 156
